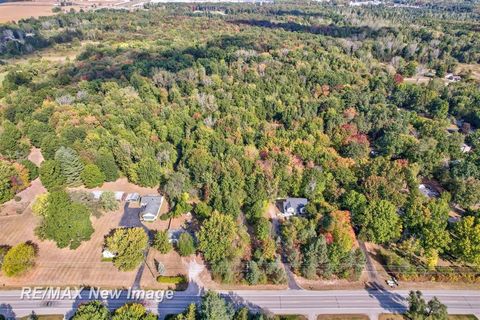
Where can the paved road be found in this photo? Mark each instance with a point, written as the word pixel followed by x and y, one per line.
pixel 279 302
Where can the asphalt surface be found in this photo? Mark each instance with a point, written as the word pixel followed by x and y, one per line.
pixel 371 302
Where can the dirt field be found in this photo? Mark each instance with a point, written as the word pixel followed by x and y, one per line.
pixel 15 11
pixel 65 267
pixel 82 266
pixel 122 184
pixel 14 208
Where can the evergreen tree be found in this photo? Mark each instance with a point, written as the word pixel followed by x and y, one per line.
pixel 214 307
pixel 70 165
pixel 51 174
pixel 65 222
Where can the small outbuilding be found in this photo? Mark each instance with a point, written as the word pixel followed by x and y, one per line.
pixel 107 254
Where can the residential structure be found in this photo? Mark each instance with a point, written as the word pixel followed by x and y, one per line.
pixel 150 207
pixel 294 206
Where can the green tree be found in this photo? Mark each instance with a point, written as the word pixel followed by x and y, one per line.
pixel 18 260
pixel 161 242
pixel 315 257
pixel 49 146
pixel 70 165
pixel 94 310
pixel 417 307
pixel 148 172
pixel 32 169
pixel 217 237
pixel 433 234
pixel 203 210
pixel 382 223
pixel 214 307
pixel 133 311
pixel 10 145
pixel 437 310
pixel 467 192
pixel 189 314
pixel 65 222
pixel 356 203
pixel 186 245
pixel 253 273
pixel 106 162
pixel 92 176
pixel 51 174
pixel 6 188
pixel 128 245
pixel 467 243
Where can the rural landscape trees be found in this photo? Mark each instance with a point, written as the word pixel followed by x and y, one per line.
pixel 370 113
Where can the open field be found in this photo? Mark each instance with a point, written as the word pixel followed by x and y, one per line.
pixel 83 266
pixel 14 11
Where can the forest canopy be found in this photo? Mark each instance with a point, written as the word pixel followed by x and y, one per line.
pixel 236 110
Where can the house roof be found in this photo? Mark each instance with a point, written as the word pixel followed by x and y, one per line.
pixel 151 205
pixel 295 203
pixel 428 191
pixel 132 197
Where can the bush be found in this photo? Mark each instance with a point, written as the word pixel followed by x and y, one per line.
pixel 108 201
pixel 185 245
pixel 172 279
pixel 179 282
pixel 19 260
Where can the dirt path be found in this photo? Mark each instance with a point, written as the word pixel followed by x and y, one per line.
pixel 36 156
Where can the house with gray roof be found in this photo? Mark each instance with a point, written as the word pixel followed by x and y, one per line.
pixel 150 207
pixel 294 206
